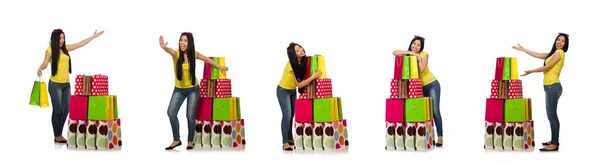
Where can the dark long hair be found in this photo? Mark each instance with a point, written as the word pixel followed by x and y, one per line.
pixel 191 54
pixel 55 47
pixel 299 67
pixel 565 46
pixel 420 39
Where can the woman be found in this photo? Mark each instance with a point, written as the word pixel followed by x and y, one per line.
pixel 293 73
pixel 59 86
pixel 431 86
pixel 553 64
pixel 186 85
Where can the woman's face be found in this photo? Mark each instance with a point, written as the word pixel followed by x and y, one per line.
pixel 560 42
pixel 61 41
pixel 299 51
pixel 415 46
pixel 183 43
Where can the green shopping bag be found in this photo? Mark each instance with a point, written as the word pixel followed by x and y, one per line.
pixel 406 68
pixel 34 98
pixel 506 69
pixel 215 70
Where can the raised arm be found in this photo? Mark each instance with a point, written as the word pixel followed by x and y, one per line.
pixel 44 64
pixel 210 61
pixel 531 53
pixel 71 47
pixel 550 64
pixel 304 83
pixel 163 45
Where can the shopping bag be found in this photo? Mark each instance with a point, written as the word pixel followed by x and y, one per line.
pixel 414 67
pixel 43 95
pixel 215 70
pixel 514 69
pixel 406 68
pixel 506 70
pixel 222 73
pixel 321 65
pixel 34 98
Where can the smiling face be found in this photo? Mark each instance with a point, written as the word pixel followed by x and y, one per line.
pixel 560 42
pixel 61 41
pixel 415 46
pixel 299 51
pixel 183 43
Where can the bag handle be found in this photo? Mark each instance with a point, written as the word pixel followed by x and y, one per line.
pixel 320 106
pixel 220 104
pixel 411 105
pixel 94 102
pixel 398 64
pixel 498 62
pixel 511 105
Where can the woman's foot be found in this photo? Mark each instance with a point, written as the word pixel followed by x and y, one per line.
pixel 550 147
pixel 439 142
pixel 287 147
pixel 291 142
pixel 60 139
pixel 173 145
pixel 190 146
pixel 548 143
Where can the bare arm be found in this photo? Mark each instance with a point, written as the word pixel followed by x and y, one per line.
pixel 550 64
pixel 84 42
pixel 210 61
pixel 304 83
pixel 531 53
pixel 422 62
pixel 44 64
pixel 163 45
pixel 401 52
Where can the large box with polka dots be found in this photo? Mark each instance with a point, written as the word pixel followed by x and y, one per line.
pixel 92 134
pixel 320 135
pixel 94 85
pixel 220 134
pixel 416 136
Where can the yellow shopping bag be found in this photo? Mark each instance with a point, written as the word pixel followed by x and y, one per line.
pixel 222 73
pixel 514 69
pixel 43 95
pixel 414 67
pixel 321 66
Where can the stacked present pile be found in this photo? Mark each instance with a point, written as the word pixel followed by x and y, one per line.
pixel 408 114
pixel 319 123
pixel 508 123
pixel 218 119
pixel 93 119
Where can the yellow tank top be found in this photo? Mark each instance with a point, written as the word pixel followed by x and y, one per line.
pixel 426 76
pixel 552 76
pixel 62 73
pixel 185 81
pixel 288 80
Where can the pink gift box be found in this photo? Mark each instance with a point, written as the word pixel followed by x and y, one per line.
pixel 304 111
pixel 78 107
pixel 494 109
pixel 204 109
pixel 394 110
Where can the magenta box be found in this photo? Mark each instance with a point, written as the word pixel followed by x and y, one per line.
pixel 304 111
pixel 394 110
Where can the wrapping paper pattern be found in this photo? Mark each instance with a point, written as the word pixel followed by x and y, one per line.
pixel 515 89
pixel 399 89
pixel 223 88
pixel 94 85
pixel 415 88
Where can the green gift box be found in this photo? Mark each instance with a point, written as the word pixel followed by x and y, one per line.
pixel 97 107
pixel 515 110
pixel 323 110
pixel 226 109
pixel 417 109
pixel 215 71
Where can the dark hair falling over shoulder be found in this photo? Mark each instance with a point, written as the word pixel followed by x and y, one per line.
pixel 191 56
pixel 417 37
pixel 299 67
pixel 565 46
pixel 55 47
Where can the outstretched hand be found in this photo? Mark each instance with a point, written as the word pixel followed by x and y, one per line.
pixel 162 42
pixel 518 47
pixel 527 72
pixel 98 34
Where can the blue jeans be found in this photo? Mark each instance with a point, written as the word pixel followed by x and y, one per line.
pixel 553 93
pixel 287 102
pixel 433 90
pixel 179 94
pixel 60 95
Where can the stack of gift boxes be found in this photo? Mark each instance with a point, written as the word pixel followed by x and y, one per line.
pixel 508 123
pixel 408 114
pixel 318 121
pixel 218 119
pixel 93 119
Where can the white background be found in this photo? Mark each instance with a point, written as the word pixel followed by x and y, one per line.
pixel 357 38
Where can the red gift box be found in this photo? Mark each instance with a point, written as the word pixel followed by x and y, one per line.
pixel 415 88
pixel 223 88
pixel 324 88
pixel 515 89
pixel 99 85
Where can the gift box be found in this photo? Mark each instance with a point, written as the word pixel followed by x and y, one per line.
pixel 72 134
pixel 489 135
pixel 399 136
pixel 409 135
pixel 99 85
pixel 102 135
pixel 515 110
pixel 340 134
pixel 308 135
pixel 394 110
pixel 324 88
pixel 223 88
pixel 508 135
pixel 208 88
pixel 226 134
pixel 78 107
pixel 515 89
pixel 498 135
pixel 418 109
pixel 304 111
pixel 494 110
pixel 399 89
pixel 198 133
pixel 328 136
pixel 204 110
pixel 518 140
pixel 90 134
pixel 415 88
pixel 298 134
pixel 80 136
pixel 206 133
pixel 499 89
pixel 215 135
pixel 317 136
